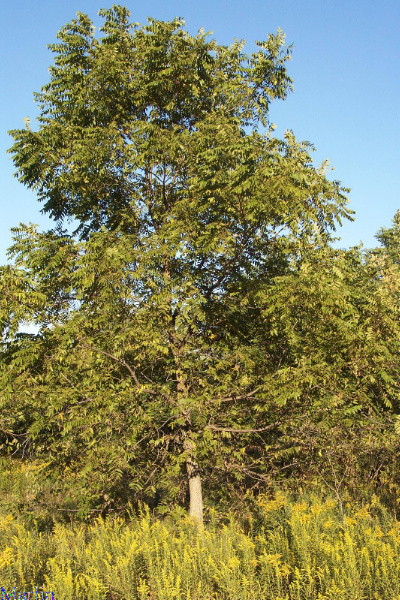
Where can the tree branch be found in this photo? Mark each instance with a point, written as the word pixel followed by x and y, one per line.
pixel 242 397
pixel 125 364
pixel 233 430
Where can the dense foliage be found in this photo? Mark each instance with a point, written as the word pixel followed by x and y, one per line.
pixel 291 550
pixel 197 327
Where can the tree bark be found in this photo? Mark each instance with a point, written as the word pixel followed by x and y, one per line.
pixel 195 492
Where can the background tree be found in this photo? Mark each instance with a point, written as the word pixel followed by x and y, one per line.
pixel 337 321
pixel 157 360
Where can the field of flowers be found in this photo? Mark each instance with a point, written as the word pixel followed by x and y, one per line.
pixel 292 550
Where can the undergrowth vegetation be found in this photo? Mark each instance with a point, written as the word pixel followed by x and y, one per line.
pixel 290 550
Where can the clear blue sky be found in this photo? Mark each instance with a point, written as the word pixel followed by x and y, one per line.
pixel 346 75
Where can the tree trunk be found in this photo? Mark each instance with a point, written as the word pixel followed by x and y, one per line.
pixel 192 468
pixel 195 493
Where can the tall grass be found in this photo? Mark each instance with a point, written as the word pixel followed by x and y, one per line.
pixel 295 550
